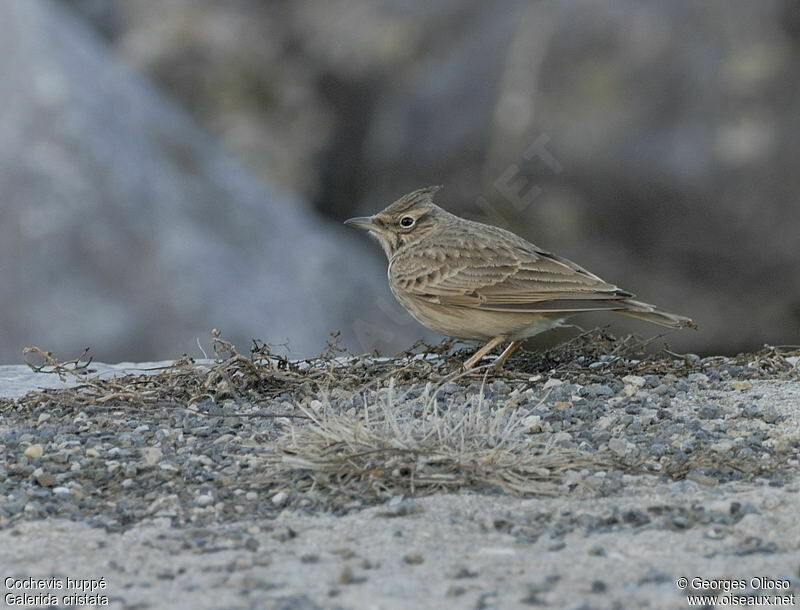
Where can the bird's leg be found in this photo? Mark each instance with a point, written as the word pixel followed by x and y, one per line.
pixel 483 351
pixel 512 347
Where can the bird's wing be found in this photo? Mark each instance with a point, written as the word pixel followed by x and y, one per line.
pixel 502 272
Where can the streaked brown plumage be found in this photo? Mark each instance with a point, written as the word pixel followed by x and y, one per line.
pixel 469 280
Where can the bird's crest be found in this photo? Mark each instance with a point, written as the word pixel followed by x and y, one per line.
pixel 414 198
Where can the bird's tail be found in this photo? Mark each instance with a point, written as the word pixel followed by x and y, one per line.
pixel 651 313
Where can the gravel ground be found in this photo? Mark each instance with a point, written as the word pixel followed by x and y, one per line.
pixel 170 507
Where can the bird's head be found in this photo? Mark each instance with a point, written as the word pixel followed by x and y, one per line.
pixel 405 221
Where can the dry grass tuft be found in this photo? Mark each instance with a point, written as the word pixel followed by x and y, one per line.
pixel 419 445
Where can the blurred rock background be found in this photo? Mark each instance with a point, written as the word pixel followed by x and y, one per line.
pixel 655 143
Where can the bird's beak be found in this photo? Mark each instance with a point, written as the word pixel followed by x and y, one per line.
pixel 362 222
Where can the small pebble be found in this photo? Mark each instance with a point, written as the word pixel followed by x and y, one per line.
pixel 770 415
pixel 599 586
pixel 284 533
pixel 34 451
pixel 346 576
pixel 152 455
pixel 634 380
pixel 708 412
pixel 618 445
pixel 204 500
pixel 455 591
pixel 46 479
pixel 464 572
pixel 251 544
pixel 532 424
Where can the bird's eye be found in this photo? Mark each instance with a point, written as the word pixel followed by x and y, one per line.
pixel 407 221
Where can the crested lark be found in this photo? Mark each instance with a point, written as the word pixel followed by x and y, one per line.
pixel 469 280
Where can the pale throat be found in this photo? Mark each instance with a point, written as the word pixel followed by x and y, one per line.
pixel 388 243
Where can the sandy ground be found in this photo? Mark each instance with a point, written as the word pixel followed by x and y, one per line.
pixel 450 551
pixel 445 551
